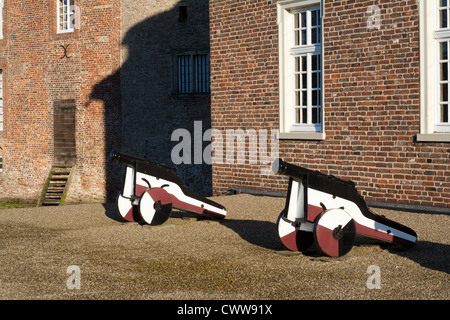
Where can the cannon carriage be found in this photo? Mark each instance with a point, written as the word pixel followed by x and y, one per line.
pixel 152 190
pixel 327 213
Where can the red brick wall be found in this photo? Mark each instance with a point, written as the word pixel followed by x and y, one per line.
pixel 371 99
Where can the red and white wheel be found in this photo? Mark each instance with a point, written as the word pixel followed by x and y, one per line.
pixel 155 206
pixel 334 232
pixel 126 209
pixel 294 239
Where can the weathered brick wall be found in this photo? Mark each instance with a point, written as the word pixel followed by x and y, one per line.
pixel 371 99
pixel 152 110
pixel 244 81
pixel 119 72
pixel 36 74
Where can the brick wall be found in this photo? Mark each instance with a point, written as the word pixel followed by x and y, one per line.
pixel 119 70
pixel 36 74
pixel 371 100
pixel 152 35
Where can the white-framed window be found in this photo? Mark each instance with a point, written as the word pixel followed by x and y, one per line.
pixel 301 94
pixel 435 66
pixel 192 73
pixel 65 16
pixel 2 14
pixel 1 100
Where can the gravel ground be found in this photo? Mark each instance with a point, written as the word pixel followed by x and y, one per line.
pixel 240 257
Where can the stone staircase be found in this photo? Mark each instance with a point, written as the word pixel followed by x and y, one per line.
pixel 57 185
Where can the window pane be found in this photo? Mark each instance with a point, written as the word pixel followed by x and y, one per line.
pixel 304 98
pixel 314 80
pixel 315 64
pixel 314 36
pixel 444 113
pixel 444 92
pixel 444 71
pixel 443 18
pixel 304 115
pixel 303 19
pixel 314 18
pixel 315 115
pixel 314 98
pixel 304 37
pixel 444 50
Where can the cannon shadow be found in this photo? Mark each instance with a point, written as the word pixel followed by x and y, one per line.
pixel 142 105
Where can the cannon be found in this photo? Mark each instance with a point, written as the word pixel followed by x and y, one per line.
pixel 326 213
pixel 152 190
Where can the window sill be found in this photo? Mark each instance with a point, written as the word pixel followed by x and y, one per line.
pixel 314 136
pixel 65 31
pixel 433 137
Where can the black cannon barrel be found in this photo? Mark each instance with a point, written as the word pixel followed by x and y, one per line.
pixel 291 170
pixel 147 166
pixel 125 158
pixel 321 181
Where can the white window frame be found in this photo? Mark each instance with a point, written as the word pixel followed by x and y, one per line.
pixel 431 130
pixel 289 129
pixel 2 15
pixel 68 16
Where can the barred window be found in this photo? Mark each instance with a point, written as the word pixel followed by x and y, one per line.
pixel 193 73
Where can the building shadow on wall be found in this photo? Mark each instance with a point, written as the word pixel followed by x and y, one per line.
pixel 142 105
